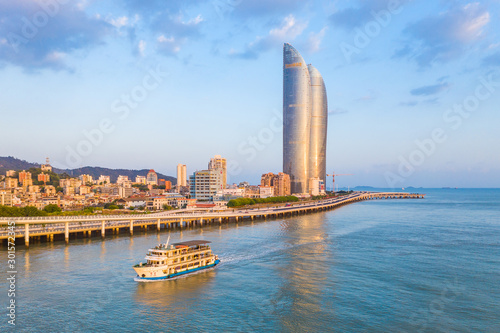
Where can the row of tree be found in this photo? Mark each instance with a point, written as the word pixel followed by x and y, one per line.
pixel 6 211
pixel 252 201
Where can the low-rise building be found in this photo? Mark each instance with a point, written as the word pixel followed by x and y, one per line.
pixel 43 177
pixel 266 191
pixel 104 180
pixel 34 189
pixel 86 179
pixel 152 178
pixel 69 190
pixel 49 190
pixel 135 202
pixel 6 198
pixel 11 182
pixel 316 186
pixel 140 180
pixel 125 192
pixel 84 189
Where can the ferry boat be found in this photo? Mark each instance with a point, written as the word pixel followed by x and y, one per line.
pixel 166 261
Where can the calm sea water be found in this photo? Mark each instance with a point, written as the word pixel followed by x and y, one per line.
pixel 429 265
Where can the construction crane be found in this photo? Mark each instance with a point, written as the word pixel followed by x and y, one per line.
pixel 337 174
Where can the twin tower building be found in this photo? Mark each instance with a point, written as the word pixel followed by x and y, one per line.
pixel 305 119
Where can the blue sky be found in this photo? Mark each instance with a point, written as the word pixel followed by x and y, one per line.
pixel 413 86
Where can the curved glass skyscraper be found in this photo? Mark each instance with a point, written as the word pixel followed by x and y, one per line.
pixel 319 122
pixel 304 121
pixel 296 119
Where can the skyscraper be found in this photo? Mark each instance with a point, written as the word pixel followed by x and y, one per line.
pixel 319 122
pixel 181 175
pixel 296 118
pixel 304 121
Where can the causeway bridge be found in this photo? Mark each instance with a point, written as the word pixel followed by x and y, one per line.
pixel 48 227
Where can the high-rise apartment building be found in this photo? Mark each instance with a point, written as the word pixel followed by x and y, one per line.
pixel 181 175
pixel 218 162
pixel 267 179
pixel 25 178
pixel 305 114
pixel 205 184
pixel 280 183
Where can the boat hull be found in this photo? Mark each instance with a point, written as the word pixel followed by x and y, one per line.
pixel 174 275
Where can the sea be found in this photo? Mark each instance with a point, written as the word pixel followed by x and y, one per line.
pixel 401 265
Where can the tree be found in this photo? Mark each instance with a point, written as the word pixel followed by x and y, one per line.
pixel 167 207
pixel 32 211
pixel 52 208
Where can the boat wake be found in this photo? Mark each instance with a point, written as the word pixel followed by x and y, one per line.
pixel 139 279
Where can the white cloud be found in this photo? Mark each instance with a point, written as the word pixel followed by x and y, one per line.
pixel 119 22
pixel 441 38
pixel 141 47
pixel 289 29
pixel 313 43
pixel 169 45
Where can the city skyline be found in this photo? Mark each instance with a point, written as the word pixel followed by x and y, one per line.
pixel 413 87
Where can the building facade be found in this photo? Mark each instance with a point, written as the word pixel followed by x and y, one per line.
pixel 304 121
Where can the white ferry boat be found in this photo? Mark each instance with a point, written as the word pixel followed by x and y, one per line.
pixel 167 261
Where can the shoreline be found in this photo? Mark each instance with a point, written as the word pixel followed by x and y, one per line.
pixel 56 228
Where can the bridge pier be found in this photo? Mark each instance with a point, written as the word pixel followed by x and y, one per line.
pixel 131 227
pixel 66 232
pixel 158 225
pixel 103 229
pixel 27 235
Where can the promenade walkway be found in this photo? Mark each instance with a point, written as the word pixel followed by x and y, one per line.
pixel 46 227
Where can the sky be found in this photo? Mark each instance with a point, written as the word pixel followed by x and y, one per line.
pixel 413 86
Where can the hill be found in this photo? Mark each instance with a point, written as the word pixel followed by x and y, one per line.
pixel 12 163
